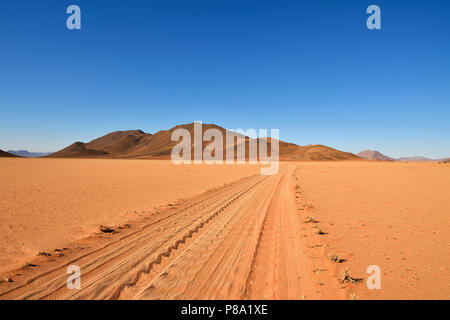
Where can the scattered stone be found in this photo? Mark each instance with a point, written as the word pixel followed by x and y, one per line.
pixel 29 264
pixel 8 279
pixel 319 271
pixel 44 254
pixel 106 229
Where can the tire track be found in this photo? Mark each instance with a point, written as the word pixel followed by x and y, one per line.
pixel 124 256
pixel 240 241
pixel 213 266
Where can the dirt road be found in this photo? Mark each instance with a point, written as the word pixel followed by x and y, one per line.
pixel 47 203
pixel 240 241
pixel 309 232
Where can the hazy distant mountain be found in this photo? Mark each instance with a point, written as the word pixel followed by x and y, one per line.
pixel 139 144
pixel 374 155
pixel 25 153
pixel 415 159
pixel 7 154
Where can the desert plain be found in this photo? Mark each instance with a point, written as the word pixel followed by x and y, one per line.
pixel 149 229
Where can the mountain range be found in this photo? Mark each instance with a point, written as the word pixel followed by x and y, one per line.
pixel 416 158
pixel 137 144
pixel 373 155
pixel 7 154
pixel 141 145
pixel 376 155
pixel 28 154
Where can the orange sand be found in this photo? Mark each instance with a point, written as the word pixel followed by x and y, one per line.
pixel 394 215
pixel 47 202
pixel 254 238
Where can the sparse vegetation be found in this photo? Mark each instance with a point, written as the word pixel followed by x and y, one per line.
pixel 347 278
pixel 334 257
pixel 306 205
pixel 353 296
pixel 310 220
pixel 319 270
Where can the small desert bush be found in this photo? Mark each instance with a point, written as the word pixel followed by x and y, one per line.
pixel 334 257
pixel 310 220
pixel 347 278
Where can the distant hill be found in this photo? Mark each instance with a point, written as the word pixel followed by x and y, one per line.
pixel 77 150
pixel 317 152
pixel 138 144
pixel 415 159
pixel 374 155
pixel 25 153
pixel 7 154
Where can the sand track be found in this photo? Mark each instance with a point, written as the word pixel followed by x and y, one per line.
pixel 258 238
pixel 216 246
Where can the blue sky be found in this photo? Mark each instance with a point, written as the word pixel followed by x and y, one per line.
pixel 310 68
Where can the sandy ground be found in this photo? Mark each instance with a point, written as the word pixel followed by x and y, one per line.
pixel 47 202
pixel 393 215
pixel 248 237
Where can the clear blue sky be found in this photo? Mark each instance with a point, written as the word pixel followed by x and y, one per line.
pixel 310 68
